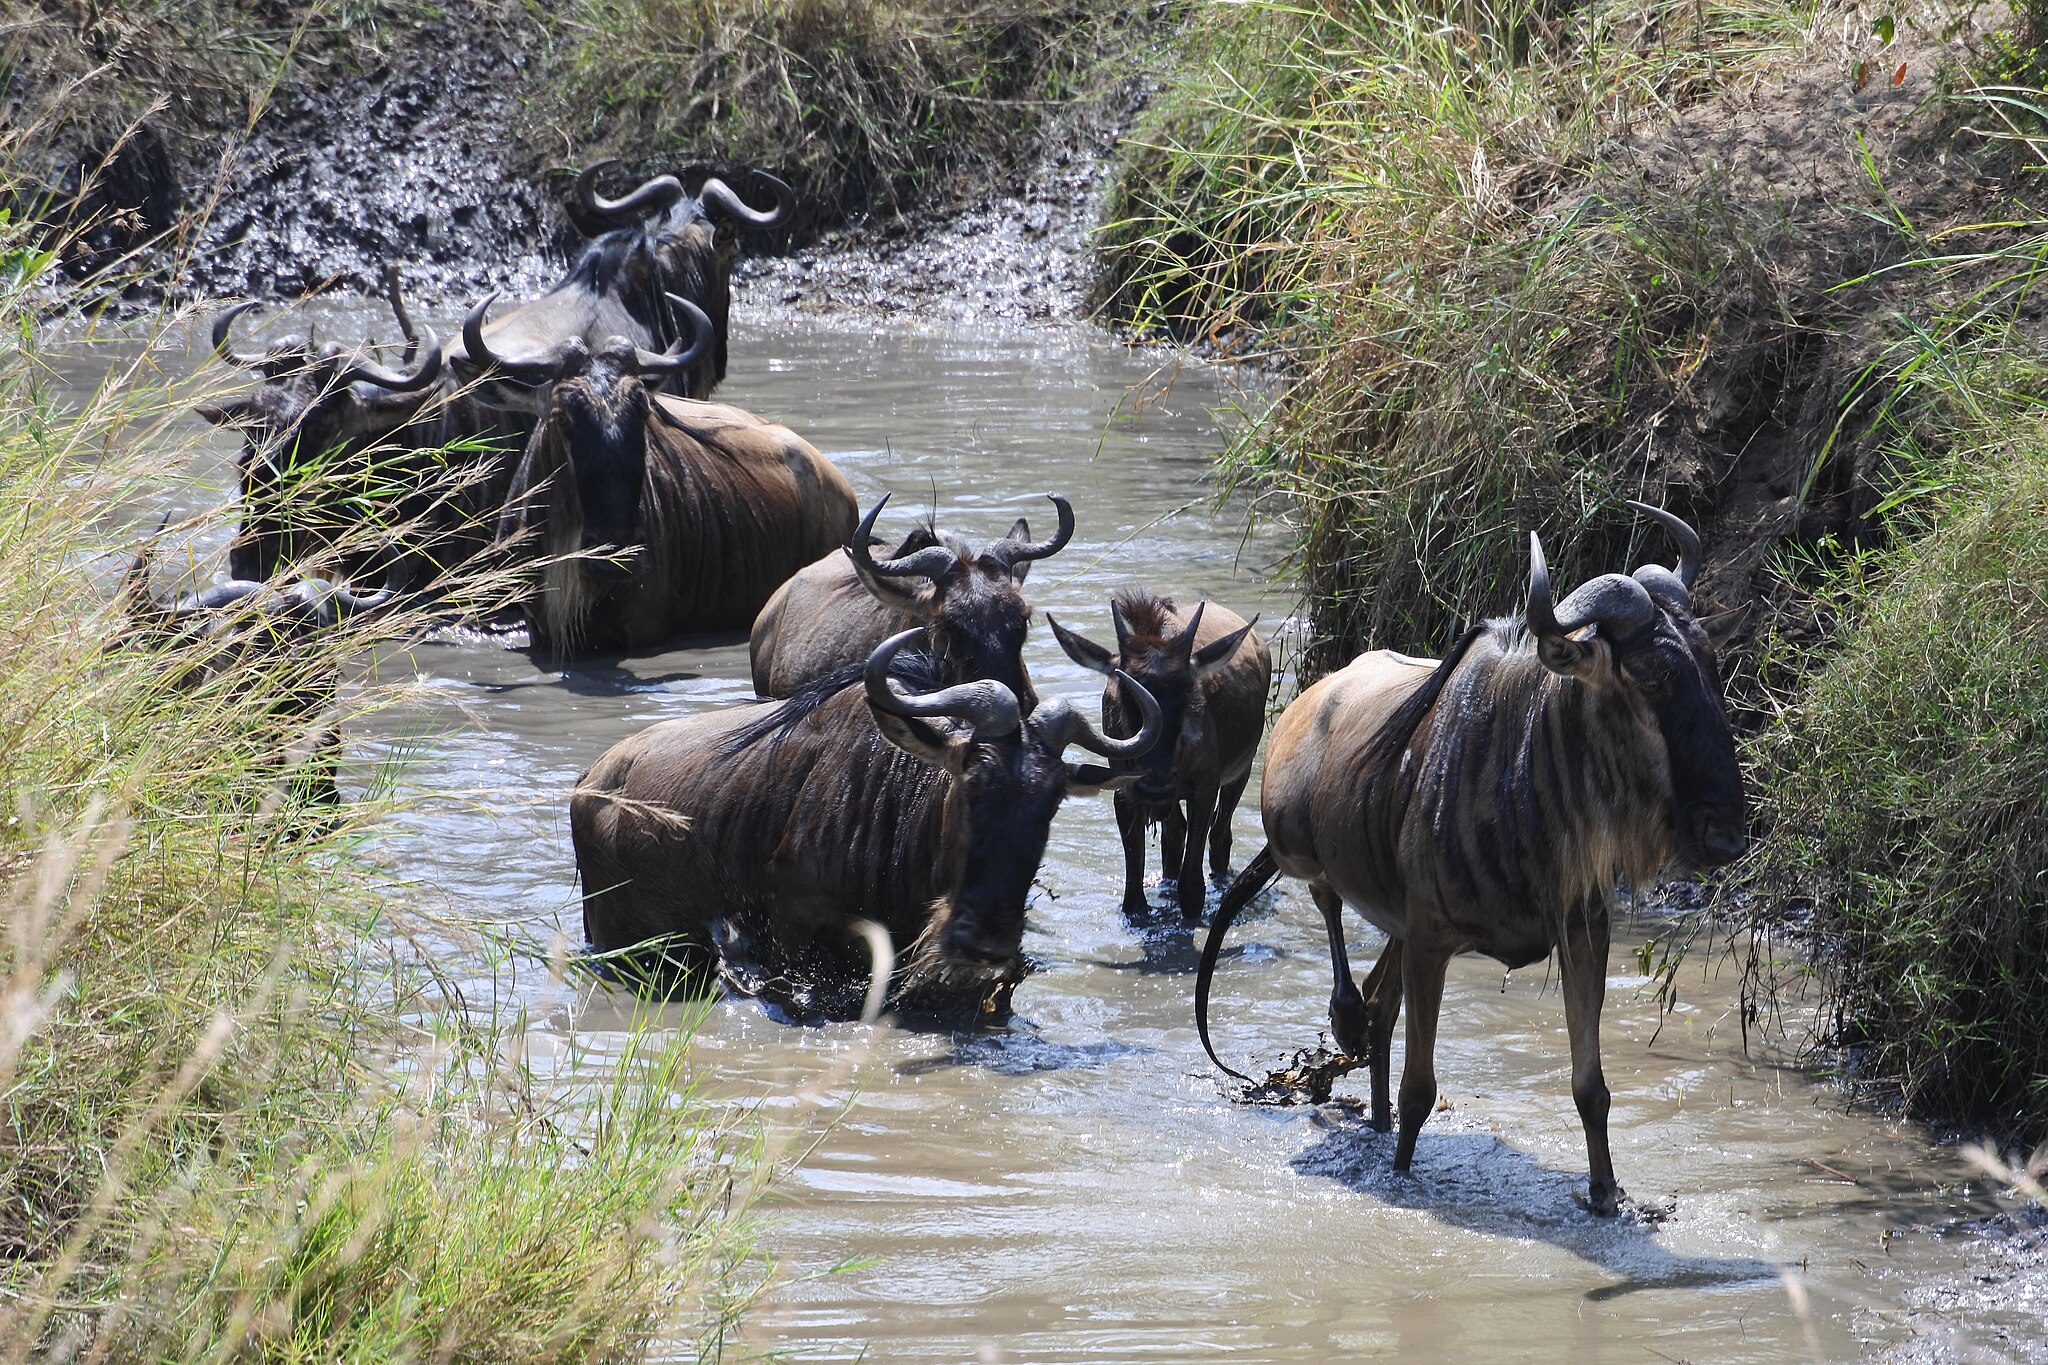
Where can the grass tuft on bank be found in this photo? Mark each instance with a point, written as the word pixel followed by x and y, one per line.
pixel 865 108
pixel 1508 272
pixel 244 1114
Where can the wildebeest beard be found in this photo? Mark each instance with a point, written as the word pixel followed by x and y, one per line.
pixel 591 450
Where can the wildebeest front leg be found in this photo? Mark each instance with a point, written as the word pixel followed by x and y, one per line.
pixel 1130 823
pixel 1422 981
pixel 1193 891
pixel 1347 1006
pixel 1582 965
pixel 1173 834
pixel 1219 829
pixel 1382 1007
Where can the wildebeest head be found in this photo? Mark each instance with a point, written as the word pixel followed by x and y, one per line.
pixel 975 619
pixel 1009 776
pixel 1169 667
pixel 590 449
pixel 311 404
pixel 1635 636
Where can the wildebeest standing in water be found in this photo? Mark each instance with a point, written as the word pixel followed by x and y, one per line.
pixel 1210 672
pixel 327 435
pixel 1487 804
pixel 657 515
pixel 758 838
pixel 833 613
pixel 657 243
pixel 259 638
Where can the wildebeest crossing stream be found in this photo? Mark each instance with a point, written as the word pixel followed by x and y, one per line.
pixel 1077 1186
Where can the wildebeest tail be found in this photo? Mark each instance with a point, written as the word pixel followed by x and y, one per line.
pixel 1256 877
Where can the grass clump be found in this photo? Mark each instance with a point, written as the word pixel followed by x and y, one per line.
pixel 242 1114
pixel 1506 288
pixel 1907 780
pixel 864 107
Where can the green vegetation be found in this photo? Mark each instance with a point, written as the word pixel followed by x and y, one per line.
pixel 1496 309
pixel 241 1117
pixel 864 107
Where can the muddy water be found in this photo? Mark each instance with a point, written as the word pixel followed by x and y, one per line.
pixel 1076 1187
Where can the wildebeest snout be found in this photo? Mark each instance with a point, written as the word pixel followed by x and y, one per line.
pixel 981 938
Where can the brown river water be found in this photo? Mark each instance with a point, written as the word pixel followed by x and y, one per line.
pixel 1078 1186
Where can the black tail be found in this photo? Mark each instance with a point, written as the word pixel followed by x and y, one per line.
pixel 1256 877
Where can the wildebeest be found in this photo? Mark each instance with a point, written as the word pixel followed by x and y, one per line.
pixel 837 610
pixel 759 838
pixel 1488 802
pixel 1209 672
pixel 657 243
pixel 658 515
pixel 271 647
pixel 333 442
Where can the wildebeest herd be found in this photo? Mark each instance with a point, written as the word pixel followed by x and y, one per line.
pixel 887 803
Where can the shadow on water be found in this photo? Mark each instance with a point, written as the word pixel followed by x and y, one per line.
pixel 1166 940
pixel 598 679
pixel 1018 1051
pixel 1479 1184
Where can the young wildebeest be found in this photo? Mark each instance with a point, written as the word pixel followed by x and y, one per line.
pixel 658 515
pixel 760 838
pixel 1487 804
pixel 1209 672
pixel 256 638
pixel 834 612
pixel 326 434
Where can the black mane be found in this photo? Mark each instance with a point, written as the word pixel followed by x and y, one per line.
pixel 914 667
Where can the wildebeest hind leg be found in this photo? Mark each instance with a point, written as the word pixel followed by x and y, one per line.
pixel 1193 891
pixel 1382 1007
pixel 1422 981
pixel 1582 965
pixel 1347 1006
pixel 1219 829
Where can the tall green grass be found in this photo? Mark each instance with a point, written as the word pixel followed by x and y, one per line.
pixel 1478 310
pixel 243 1113
pixel 864 106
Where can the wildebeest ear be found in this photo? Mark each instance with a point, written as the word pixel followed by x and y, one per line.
pixel 1086 779
pixel 1217 653
pixel 924 741
pixel 1081 649
pixel 1020 530
pixel 1571 656
pixel 224 414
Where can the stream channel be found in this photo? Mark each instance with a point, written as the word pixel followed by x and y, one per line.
pixel 1078 1186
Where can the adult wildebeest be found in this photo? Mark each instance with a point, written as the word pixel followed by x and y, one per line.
pixel 760 837
pixel 659 243
pixel 658 515
pixel 1209 672
pixel 1487 804
pixel 837 610
pixel 333 442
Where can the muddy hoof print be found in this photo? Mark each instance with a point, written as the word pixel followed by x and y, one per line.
pixel 1307 1079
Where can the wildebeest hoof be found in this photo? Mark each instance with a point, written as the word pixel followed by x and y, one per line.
pixel 1604 1201
pixel 1347 1024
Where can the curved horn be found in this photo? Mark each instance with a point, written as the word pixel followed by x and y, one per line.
pixel 1075 729
pixel 266 361
pixel 657 193
pixel 930 562
pixel 426 370
pixel 674 361
pixel 396 580
pixel 1615 602
pixel 1688 542
pixel 987 706
pixel 1012 552
pixel 717 192
pixel 544 370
